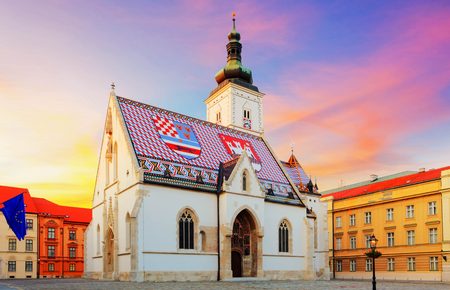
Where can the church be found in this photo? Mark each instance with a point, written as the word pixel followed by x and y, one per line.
pixel 182 199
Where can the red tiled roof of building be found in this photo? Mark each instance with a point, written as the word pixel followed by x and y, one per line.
pixel 388 184
pixel 74 214
pixel 7 192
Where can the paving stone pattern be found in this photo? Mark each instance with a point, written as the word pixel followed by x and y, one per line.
pixel 81 284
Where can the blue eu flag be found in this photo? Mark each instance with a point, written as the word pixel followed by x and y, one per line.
pixel 14 212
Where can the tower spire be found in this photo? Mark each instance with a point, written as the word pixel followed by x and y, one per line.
pixel 112 92
pixel 234 20
pixel 234 70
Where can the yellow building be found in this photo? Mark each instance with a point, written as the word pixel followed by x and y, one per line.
pixel 409 214
pixel 18 259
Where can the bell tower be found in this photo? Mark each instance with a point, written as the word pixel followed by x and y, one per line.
pixel 235 102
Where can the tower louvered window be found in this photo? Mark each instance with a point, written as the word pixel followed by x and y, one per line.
pixel 186 231
pixel 283 238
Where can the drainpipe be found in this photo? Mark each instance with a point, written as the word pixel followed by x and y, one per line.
pixel 219 189
pixel 38 232
pixel 218 239
pixel 332 237
pixel 62 250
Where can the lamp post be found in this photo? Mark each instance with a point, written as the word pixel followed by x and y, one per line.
pixel 373 246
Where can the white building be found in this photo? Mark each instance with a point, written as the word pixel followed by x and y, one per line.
pixel 160 211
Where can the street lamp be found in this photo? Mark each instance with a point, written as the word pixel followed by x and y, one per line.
pixel 373 246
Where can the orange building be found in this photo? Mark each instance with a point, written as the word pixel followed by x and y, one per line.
pixel 406 213
pixel 61 239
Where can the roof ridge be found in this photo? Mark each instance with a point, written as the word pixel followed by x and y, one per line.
pixel 232 160
pixel 395 182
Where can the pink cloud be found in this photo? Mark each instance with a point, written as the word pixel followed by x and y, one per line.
pixel 357 110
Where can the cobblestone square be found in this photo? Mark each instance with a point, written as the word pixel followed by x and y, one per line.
pixel 86 284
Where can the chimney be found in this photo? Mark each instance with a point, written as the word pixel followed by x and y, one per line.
pixel 373 177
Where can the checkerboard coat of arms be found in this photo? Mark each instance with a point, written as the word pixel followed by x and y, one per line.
pixel 235 146
pixel 178 136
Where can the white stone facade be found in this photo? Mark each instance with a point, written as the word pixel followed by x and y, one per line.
pixel 226 107
pixel 134 233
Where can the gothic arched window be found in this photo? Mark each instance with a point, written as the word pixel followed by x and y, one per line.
pixel 244 181
pixel 283 237
pixel 186 230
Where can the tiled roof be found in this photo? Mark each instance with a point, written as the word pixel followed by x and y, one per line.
pixel 72 214
pixel 366 182
pixel 228 167
pixel 7 192
pixel 41 205
pixel 376 186
pixel 173 148
pixel 297 173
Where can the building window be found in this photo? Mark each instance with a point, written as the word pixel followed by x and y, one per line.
pixel 72 267
pixel 338 222
pixel 338 265
pixel 186 231
pixel 244 181
pixel 51 267
pixel 11 266
pixel 391 264
pixel 432 208
pixel 283 237
pixel 72 252
pixel 390 214
pixel 28 266
pixel 368 265
pixel 29 245
pixel 411 237
pixel 390 239
pixel 409 211
pixel 51 251
pixel 29 224
pixel 352 220
pixel 432 235
pixel 218 118
pixel 247 114
pixel 338 243
pixel 352 243
pixel 433 263
pixel 367 239
pixel 246 120
pixel 12 245
pixel 352 265
pixel 368 217
pixel 72 235
pixel 411 264
pixel 51 233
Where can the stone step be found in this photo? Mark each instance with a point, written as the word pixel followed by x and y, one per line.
pixel 245 279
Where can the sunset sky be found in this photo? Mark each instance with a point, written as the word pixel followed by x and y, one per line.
pixel 360 87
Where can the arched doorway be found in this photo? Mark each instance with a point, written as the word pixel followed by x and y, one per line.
pixel 244 246
pixel 109 243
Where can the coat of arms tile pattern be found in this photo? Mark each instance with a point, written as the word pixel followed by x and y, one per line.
pixel 191 145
